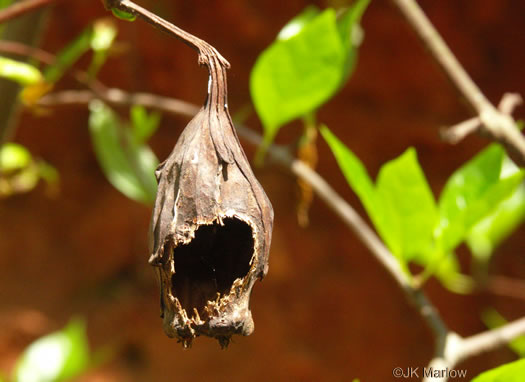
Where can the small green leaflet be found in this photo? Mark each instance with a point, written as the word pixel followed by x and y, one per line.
pixel 56 357
pixel 511 372
pixel 128 165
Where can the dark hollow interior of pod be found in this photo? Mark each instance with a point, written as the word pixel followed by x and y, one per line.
pixel 210 263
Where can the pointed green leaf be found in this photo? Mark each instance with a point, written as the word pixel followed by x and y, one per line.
pixel 485 236
pixel 20 72
pixel 409 205
pixel 295 76
pixel 358 179
pixel 56 357
pixel 511 372
pixel 353 169
pixel 129 167
pixel 471 193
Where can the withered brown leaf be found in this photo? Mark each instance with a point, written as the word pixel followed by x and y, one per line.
pixel 211 227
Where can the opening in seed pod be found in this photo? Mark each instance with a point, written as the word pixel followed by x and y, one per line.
pixel 211 262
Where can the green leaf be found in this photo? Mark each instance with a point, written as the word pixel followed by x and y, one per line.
pixel 295 76
pixel 494 320
pixel 56 357
pixel 144 125
pixel 485 236
pixel 20 72
pixel 511 372
pixel 354 171
pixel 410 209
pixel 401 205
pixel 14 157
pixel 358 179
pixel 129 166
pixel 69 55
pixel 123 15
pixel 471 193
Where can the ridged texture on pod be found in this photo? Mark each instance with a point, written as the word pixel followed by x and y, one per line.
pixel 211 227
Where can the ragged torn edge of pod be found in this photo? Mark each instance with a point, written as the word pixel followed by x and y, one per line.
pixel 224 313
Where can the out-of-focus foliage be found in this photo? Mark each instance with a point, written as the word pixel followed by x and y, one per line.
pixel 99 37
pixel 20 172
pixel 36 84
pixel 143 124
pixel 20 72
pixel 494 320
pixel 4 4
pixel 104 33
pixel 309 61
pixel 414 227
pixel 511 372
pixel 56 357
pixel 127 162
pixel 69 55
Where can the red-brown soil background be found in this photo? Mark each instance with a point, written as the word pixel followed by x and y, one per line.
pixel 327 311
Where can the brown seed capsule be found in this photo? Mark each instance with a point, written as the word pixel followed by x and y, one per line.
pixel 211 226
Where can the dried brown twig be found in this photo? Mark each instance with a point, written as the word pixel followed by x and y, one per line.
pixel 498 125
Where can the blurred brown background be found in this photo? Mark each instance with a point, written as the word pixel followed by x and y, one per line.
pixel 327 311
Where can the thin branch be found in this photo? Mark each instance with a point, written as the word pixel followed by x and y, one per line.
pixel 118 97
pixel 456 133
pixel 19 49
pixel 19 8
pixel 494 124
pixel 505 287
pixel 490 340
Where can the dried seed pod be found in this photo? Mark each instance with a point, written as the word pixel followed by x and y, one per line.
pixel 211 226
